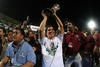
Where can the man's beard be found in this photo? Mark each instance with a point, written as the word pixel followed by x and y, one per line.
pixel 69 29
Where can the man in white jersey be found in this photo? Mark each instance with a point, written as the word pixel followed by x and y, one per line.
pixel 51 43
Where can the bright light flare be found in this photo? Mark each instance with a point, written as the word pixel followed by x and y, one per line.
pixel 91 24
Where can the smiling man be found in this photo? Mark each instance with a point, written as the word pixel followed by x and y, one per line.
pixel 51 43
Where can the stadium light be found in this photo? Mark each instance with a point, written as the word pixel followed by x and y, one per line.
pixel 91 24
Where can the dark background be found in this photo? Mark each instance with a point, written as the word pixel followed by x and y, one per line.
pixel 80 12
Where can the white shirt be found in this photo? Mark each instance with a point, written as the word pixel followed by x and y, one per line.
pixel 52 52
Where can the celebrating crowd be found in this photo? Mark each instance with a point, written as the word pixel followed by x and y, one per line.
pixel 50 46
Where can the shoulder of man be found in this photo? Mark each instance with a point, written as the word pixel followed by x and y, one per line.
pixel 27 45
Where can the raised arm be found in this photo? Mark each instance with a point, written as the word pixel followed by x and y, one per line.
pixel 60 25
pixel 42 25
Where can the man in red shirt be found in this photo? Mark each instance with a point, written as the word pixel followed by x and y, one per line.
pixel 72 41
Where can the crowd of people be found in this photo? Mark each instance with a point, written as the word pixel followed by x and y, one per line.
pixel 50 46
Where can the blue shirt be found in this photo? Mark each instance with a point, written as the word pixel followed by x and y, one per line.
pixel 20 56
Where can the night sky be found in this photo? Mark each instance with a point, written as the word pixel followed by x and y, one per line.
pixel 80 12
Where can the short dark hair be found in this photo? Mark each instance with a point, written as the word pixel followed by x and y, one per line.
pixel 21 30
pixel 3 29
pixel 10 31
pixel 54 27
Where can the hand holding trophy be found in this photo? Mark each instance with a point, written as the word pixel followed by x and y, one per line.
pixel 52 10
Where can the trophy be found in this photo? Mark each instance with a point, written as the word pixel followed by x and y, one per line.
pixel 56 6
pixel 49 11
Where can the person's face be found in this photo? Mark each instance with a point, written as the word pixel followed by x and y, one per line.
pixel 25 22
pixel 69 25
pixel 76 28
pixel 17 36
pixel 50 32
pixel 1 32
pixel 31 34
pixel 10 36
